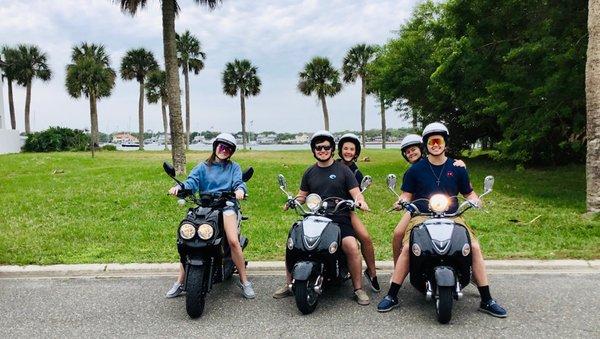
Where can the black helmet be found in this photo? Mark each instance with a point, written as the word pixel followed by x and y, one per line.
pixel 349 137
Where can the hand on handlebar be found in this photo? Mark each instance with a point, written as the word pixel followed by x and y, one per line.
pixel 174 190
pixel 363 206
pixel 476 203
pixel 240 195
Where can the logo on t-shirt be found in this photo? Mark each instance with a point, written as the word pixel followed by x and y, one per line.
pixel 332 176
pixel 450 174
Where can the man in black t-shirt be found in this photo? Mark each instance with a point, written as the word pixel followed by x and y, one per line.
pixel 437 174
pixel 329 178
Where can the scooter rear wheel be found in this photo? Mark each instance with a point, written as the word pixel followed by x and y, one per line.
pixel 306 297
pixel 443 305
pixel 196 294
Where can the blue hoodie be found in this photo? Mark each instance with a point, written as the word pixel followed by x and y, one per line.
pixel 218 177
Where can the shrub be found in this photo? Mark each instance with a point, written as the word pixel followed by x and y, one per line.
pixel 109 148
pixel 57 139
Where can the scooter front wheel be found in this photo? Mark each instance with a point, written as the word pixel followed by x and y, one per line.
pixel 306 297
pixel 196 294
pixel 443 304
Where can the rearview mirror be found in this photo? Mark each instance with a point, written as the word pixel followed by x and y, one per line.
pixel 282 182
pixel 169 169
pixel 247 174
pixel 488 183
pixel 391 181
pixel 366 182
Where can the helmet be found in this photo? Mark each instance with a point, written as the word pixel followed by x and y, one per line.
pixel 436 128
pixel 351 138
pixel 410 140
pixel 227 139
pixel 320 136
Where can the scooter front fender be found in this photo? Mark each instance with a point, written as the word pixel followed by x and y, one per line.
pixel 303 270
pixel 444 276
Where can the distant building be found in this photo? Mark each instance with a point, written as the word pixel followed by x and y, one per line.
pixel 266 139
pixel 302 138
pixel 122 137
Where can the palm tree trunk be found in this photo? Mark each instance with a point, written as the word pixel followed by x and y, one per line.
pixel 414 120
pixel 243 107
pixel 186 72
pixel 27 108
pixel 325 112
pixel 141 116
pixel 11 106
pixel 172 68
pixel 165 123
pixel 363 95
pixel 383 126
pixel 93 122
pixel 592 85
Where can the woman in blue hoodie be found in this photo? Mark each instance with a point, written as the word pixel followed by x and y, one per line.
pixel 219 174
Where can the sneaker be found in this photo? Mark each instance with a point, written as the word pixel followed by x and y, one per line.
pixel 493 308
pixel 282 292
pixel 361 297
pixel 176 290
pixel 387 304
pixel 373 281
pixel 247 290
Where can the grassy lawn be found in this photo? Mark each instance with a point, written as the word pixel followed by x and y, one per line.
pixel 70 208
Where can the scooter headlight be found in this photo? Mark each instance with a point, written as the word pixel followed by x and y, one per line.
pixel 205 231
pixel 313 201
pixel 439 203
pixel 187 231
pixel 466 250
pixel 290 243
pixel 416 249
pixel 333 247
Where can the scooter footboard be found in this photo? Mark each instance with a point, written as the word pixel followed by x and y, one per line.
pixel 304 269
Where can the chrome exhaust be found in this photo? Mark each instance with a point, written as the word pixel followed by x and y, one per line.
pixel 429 293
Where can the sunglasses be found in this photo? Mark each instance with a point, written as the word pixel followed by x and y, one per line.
pixel 322 147
pixel 434 141
pixel 224 148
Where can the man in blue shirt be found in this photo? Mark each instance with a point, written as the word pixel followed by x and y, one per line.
pixel 437 174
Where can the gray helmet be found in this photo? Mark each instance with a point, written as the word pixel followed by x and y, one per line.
pixel 351 137
pixel 435 128
pixel 227 139
pixel 410 140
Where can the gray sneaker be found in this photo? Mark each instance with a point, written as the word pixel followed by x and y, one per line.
pixel 247 290
pixel 176 290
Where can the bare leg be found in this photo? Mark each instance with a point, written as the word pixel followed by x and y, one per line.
pixel 181 274
pixel 366 248
pixel 230 225
pixel 402 267
pixel 479 272
pixel 350 248
pixel 399 236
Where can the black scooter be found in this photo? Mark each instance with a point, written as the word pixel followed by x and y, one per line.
pixel 313 255
pixel 440 250
pixel 201 240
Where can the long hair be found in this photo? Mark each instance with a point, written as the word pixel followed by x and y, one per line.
pixel 212 159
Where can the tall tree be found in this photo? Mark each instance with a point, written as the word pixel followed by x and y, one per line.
pixel 136 64
pixel 31 64
pixel 156 90
pixel 89 74
pixel 355 66
pixel 169 10
pixel 375 85
pixel 319 77
pixel 240 77
pixel 9 55
pixel 592 85
pixel 191 58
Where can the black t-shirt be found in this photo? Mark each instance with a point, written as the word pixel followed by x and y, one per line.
pixel 354 168
pixel 421 179
pixel 333 181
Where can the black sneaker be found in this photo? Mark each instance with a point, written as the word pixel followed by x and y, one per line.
pixel 387 304
pixel 493 308
pixel 373 281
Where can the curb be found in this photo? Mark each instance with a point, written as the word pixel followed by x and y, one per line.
pixel 277 268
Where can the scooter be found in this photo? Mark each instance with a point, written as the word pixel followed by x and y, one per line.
pixel 312 249
pixel 202 242
pixel 440 250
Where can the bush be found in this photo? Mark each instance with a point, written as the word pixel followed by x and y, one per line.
pixel 109 148
pixel 57 139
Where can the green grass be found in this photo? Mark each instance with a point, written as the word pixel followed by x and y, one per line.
pixel 70 208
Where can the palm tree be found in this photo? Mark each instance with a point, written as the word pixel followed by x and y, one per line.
pixel 240 76
pixel 321 78
pixel 9 55
pixel 136 64
pixel 190 56
pixel 156 89
pixel 169 10
pixel 89 74
pixel 32 63
pixel 355 65
pixel 592 85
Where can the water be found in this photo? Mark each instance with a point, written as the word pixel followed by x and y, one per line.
pixel 256 147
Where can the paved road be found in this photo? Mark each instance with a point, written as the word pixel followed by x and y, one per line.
pixel 540 305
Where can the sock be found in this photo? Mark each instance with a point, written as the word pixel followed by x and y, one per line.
pixel 394 288
pixel 484 292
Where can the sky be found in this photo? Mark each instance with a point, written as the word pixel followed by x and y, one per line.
pixel 277 36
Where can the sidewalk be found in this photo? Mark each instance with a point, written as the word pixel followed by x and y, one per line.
pixel 277 268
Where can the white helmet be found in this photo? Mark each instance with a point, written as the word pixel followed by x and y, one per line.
pixel 410 140
pixel 317 137
pixel 436 128
pixel 351 137
pixel 227 139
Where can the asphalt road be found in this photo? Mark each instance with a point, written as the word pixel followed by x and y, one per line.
pixel 539 305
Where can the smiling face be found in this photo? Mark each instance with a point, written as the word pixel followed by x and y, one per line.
pixel 436 145
pixel 323 150
pixel 223 151
pixel 348 151
pixel 413 153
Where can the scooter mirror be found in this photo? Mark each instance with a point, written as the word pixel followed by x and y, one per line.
pixel 247 174
pixel 488 183
pixel 169 169
pixel 366 182
pixel 282 182
pixel 391 181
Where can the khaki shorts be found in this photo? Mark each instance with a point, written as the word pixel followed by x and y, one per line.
pixel 420 219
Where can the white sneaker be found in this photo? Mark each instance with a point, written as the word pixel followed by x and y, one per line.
pixel 176 290
pixel 247 290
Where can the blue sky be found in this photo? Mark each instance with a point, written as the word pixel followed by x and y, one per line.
pixel 278 36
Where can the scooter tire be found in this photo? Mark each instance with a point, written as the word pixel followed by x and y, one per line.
pixel 196 293
pixel 443 305
pixel 306 297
